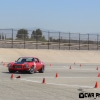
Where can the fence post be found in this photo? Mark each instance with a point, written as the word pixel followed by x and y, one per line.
pixel 79 41
pixel 88 41
pixel 69 40
pixel 12 38
pixel 59 40
pixel 36 41
pixel 48 38
pixel 24 40
pixel 97 41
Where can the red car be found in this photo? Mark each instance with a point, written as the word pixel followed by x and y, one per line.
pixel 29 64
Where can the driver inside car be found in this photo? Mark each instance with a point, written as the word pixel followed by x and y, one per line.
pixel 23 60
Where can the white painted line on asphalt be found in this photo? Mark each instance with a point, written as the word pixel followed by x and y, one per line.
pixel 72 68
pixel 58 68
pixel 80 86
pixel 64 66
pixel 84 69
pixel 40 77
pixel 62 77
pixel 71 85
pixel 30 80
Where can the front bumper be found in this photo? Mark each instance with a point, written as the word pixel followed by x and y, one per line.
pixel 19 69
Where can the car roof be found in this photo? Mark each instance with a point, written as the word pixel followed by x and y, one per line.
pixel 27 57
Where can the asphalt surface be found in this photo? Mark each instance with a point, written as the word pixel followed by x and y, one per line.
pixel 67 86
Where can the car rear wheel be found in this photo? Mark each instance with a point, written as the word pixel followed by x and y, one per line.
pixel 42 70
pixel 31 71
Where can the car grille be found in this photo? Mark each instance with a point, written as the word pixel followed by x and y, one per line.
pixel 16 66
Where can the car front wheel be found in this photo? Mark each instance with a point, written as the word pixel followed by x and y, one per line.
pixel 31 71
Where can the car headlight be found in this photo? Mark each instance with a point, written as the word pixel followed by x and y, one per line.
pixel 9 65
pixel 26 65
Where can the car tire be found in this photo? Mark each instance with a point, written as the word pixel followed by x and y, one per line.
pixel 10 71
pixel 31 71
pixel 42 70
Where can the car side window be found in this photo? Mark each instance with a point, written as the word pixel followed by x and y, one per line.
pixel 33 59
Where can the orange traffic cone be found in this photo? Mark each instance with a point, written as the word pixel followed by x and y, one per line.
pixel 50 64
pixel 96 85
pixel 56 75
pixel 4 64
pixel 98 74
pixel 18 76
pixel 97 68
pixel 44 81
pixel 70 67
pixel 12 76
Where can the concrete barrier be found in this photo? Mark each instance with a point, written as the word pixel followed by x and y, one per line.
pixel 58 56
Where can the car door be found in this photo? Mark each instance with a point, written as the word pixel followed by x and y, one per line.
pixel 38 65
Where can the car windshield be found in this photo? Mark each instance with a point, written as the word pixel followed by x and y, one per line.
pixel 25 59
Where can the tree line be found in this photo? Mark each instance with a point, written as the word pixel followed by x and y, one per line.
pixel 36 34
pixel 23 34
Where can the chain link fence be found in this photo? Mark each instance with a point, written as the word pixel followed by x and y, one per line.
pixel 9 38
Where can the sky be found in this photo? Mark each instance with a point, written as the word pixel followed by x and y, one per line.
pixel 76 16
